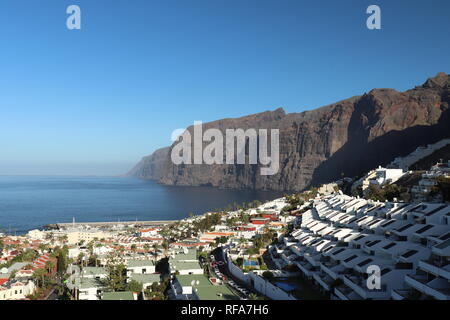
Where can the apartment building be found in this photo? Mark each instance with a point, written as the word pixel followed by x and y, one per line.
pixel 341 239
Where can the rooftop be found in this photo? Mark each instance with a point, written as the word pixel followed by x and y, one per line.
pixel 140 263
pixel 126 295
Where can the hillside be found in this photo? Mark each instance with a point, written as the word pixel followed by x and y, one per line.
pixel 347 138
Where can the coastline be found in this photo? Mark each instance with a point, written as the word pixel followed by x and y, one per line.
pixel 53 226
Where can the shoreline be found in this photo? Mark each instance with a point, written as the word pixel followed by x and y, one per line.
pixel 55 226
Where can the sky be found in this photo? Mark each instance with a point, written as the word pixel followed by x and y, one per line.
pixel 94 101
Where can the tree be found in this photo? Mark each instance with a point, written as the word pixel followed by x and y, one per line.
pixel 134 286
pixel 268 275
pixel 253 296
pixel 81 258
pixel 165 246
pixel 49 265
pixel 39 275
pixel 220 240
pixel 155 250
pixel 115 280
pixel 62 260
pixel 443 184
pixel 93 260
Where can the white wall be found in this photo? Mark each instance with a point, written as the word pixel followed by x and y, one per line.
pixel 261 285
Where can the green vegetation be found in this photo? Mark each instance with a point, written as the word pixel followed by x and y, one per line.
pixel 220 240
pixel 157 290
pixel 268 275
pixel 443 184
pixel 115 280
pixel 293 201
pixel 207 222
pixel 134 286
pixel 388 192
pixel 24 256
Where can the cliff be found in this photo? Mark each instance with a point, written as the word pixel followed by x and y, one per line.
pixel 346 138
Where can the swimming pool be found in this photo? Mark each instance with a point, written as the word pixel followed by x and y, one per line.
pixel 251 263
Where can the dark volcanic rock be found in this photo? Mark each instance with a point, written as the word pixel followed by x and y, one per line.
pixel 347 138
pixel 151 167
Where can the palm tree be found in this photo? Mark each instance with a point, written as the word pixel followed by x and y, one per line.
pixel 165 246
pixel 81 258
pixel 38 275
pixel 155 250
pixel 49 265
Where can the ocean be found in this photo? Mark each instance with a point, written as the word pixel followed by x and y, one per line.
pixel 31 202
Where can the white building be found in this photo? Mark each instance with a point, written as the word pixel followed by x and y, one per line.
pixel 381 176
pixel 140 267
pixel 16 290
pixel 341 237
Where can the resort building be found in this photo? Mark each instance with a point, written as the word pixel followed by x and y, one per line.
pixel 199 287
pixel 341 239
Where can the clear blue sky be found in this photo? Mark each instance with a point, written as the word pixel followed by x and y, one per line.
pixel 95 101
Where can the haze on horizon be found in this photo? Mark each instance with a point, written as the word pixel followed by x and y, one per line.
pixel 95 101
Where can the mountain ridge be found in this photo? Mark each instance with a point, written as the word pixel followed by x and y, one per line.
pixel 347 138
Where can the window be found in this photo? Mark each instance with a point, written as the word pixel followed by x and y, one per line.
pixel 409 253
pixel 350 258
pixel 358 238
pixel 364 262
pixel 422 230
pixel 404 227
pixel 373 222
pixel 445 236
pixel 390 245
pixel 384 271
pixel 338 251
pixel 371 244
pixel 385 224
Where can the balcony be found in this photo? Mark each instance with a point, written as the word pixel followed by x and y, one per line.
pixel 332 269
pixel 345 293
pixel 400 294
pixel 313 259
pixel 437 268
pixel 438 288
pixel 306 268
pixel 324 280
pixel 359 285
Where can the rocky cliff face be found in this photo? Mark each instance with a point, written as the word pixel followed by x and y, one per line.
pixel 347 138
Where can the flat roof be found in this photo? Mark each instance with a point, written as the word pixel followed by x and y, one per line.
pixel 204 289
pixel 140 263
pixel 146 278
pixel 188 279
pixel 185 265
pixel 125 295
pixel 212 292
pixel 94 270
pixel 86 283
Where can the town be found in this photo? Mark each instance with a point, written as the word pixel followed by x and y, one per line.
pixel 312 245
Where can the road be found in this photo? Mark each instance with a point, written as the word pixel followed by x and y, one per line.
pixel 217 253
